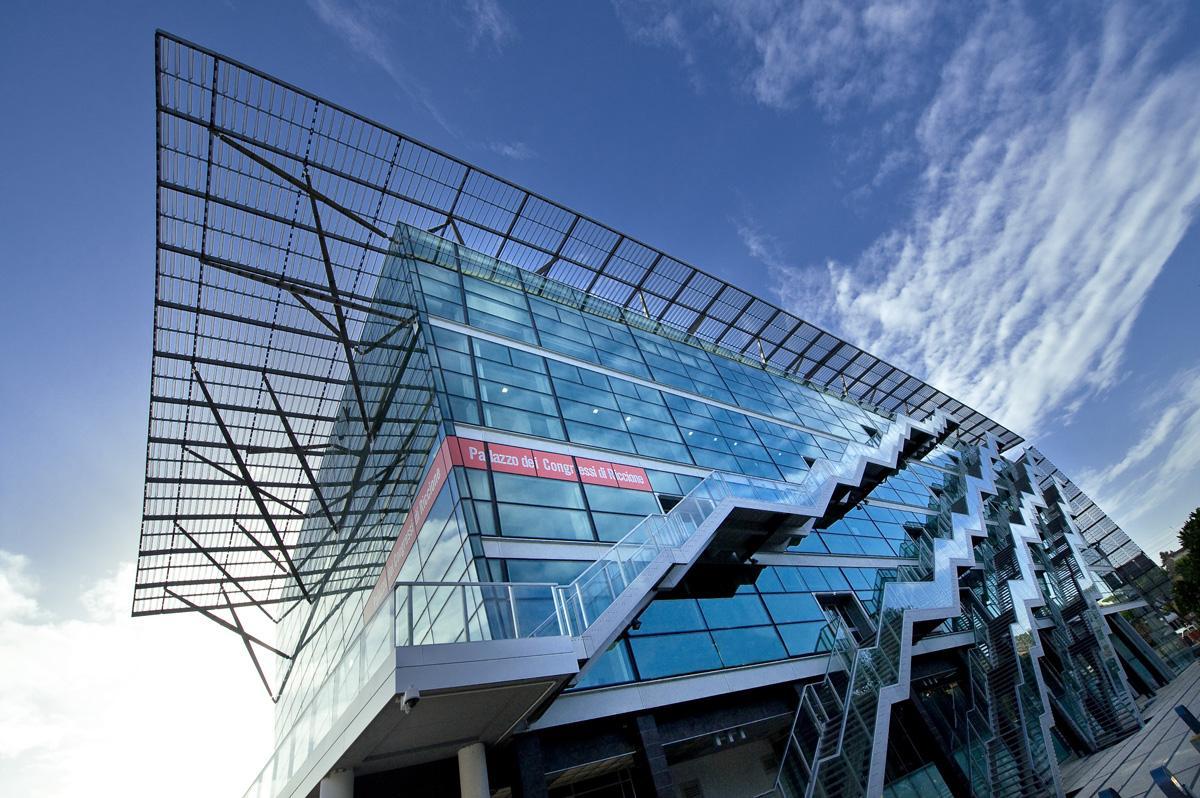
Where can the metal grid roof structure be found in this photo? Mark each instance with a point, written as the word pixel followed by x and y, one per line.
pixel 274 208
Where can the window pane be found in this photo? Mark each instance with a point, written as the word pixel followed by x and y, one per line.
pixel 789 607
pixel 801 638
pixel 742 646
pixel 741 610
pixel 669 655
pixel 669 615
pixel 620 500
pixel 613 667
pixel 529 521
pixel 534 490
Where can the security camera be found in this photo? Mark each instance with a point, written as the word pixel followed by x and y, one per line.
pixel 410 699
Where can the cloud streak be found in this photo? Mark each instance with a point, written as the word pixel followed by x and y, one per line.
pixel 515 150
pixel 1163 464
pixel 1057 182
pixel 359 26
pixel 659 23
pixel 490 23
pixel 835 51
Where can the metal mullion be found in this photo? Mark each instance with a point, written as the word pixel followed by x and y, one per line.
pixel 241 632
pixel 289 284
pixel 224 572
pixel 249 648
pixel 343 332
pixel 299 375
pixel 597 272
pixel 251 486
pixel 287 427
pixel 240 481
pixel 544 269
pixel 757 336
pixel 268 215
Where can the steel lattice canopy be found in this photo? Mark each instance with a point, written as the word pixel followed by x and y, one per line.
pixel 273 206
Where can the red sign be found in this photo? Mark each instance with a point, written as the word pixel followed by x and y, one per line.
pixel 472 454
pixel 631 477
pixel 556 466
pixel 511 460
pixel 596 472
pixel 422 503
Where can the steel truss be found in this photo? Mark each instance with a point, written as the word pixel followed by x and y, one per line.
pixel 275 448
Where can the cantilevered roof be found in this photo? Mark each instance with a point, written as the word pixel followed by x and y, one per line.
pixel 274 208
pixel 1098 530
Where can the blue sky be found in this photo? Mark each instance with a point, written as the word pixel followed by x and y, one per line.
pixel 1000 197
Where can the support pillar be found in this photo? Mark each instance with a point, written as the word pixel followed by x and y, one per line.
pixel 529 767
pixel 338 784
pixel 472 772
pixel 653 760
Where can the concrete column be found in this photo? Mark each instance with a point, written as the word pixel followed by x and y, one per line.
pixel 472 772
pixel 338 784
pixel 529 767
pixel 652 760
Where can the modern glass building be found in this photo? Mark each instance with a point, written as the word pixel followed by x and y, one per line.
pixel 528 507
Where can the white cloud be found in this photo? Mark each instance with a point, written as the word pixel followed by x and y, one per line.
pixel 490 22
pixel 361 27
pixel 761 246
pixel 1153 487
pixel 1058 179
pixel 516 150
pixel 661 24
pixel 107 704
pixel 836 51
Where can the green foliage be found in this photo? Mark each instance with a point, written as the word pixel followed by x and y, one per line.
pixel 1186 587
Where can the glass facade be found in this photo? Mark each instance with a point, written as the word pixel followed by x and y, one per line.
pixel 742 538
pixel 563 421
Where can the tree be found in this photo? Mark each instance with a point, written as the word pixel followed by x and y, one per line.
pixel 1186 587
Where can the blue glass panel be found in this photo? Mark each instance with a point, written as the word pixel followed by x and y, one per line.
pixel 614 526
pixel 801 638
pixel 739 610
pixel 620 500
pixel 843 544
pixel 530 521
pixel 537 491
pixel 664 482
pixel 791 607
pixel 743 646
pixel 601 437
pixel 768 581
pixel 613 667
pixel 669 615
pixel 560 571
pixel 670 655
pixel 877 548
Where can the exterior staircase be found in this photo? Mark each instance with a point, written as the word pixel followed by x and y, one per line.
pixel 973 560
